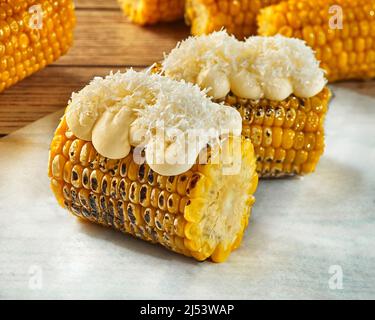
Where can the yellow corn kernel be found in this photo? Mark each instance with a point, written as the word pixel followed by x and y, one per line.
pixel 190 213
pixel 32 34
pixel 238 17
pixel 297 132
pixel 344 50
pixel 146 12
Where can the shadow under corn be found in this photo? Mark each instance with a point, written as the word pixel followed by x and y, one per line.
pixel 129 242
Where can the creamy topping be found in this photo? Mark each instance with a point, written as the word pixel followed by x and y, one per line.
pixel 216 82
pixel 259 67
pixel 173 120
pixel 108 135
pixel 245 85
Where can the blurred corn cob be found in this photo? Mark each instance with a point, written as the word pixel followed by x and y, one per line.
pixel 238 17
pixel 27 44
pixel 347 53
pixel 178 212
pixel 145 12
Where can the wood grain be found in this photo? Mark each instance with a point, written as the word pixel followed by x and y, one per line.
pixel 107 38
pixel 95 4
pixel 44 92
pixel 104 40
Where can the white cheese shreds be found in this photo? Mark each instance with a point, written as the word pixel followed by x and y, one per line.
pixel 170 118
pixel 269 67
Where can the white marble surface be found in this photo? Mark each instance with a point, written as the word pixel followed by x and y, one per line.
pixel 299 228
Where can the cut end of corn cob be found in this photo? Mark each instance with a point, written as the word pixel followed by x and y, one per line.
pixel 276 85
pixel 146 12
pixel 238 17
pixel 200 213
pixel 342 33
pixel 32 35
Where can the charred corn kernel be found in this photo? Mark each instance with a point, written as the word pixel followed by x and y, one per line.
pixel 342 36
pixel 145 12
pixel 200 213
pixel 33 34
pixel 297 131
pixel 238 17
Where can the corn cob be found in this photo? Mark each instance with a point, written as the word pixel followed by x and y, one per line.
pixel 238 17
pixel 287 131
pixel 345 52
pixel 200 213
pixel 146 12
pixel 288 135
pixel 29 40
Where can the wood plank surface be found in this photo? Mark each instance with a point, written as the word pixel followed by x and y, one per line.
pixel 107 38
pixel 104 40
pixel 45 92
pixel 95 4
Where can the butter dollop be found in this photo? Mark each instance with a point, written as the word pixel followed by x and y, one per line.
pixel 172 120
pixel 259 67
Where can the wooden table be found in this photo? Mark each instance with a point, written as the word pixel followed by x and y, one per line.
pixel 104 40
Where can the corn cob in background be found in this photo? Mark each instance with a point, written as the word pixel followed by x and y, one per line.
pixel 274 82
pixel 347 53
pixel 196 211
pixel 238 17
pixel 32 34
pixel 146 12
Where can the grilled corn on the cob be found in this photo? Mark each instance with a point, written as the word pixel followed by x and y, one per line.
pixel 277 86
pixel 32 34
pixel 342 33
pixel 200 212
pixel 288 135
pixel 145 12
pixel 237 16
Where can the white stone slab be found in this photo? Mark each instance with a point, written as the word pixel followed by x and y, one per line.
pixel 299 228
